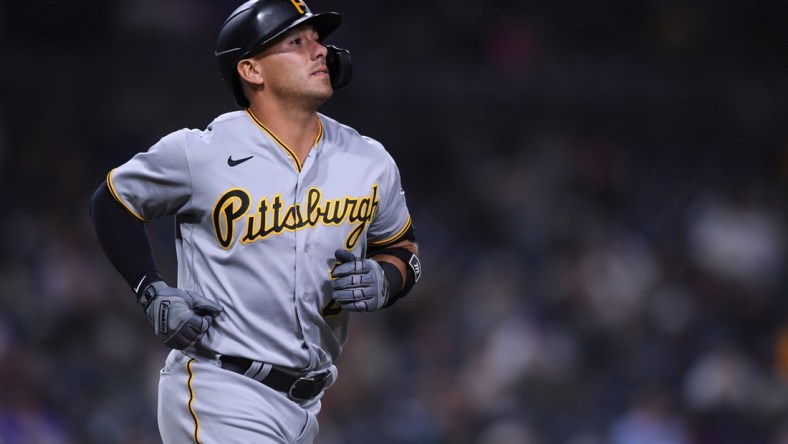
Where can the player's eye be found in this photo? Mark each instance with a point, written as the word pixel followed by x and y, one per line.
pixel 296 41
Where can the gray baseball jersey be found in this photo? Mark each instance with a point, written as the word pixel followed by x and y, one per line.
pixel 257 230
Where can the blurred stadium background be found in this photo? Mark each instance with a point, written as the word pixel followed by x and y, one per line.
pixel 599 191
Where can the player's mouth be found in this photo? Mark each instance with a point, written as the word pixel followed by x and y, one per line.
pixel 321 72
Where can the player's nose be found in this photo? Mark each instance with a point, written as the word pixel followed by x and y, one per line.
pixel 319 50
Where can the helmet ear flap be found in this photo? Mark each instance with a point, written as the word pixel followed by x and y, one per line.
pixel 340 69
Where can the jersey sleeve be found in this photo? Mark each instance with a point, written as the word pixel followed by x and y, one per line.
pixel 392 220
pixel 154 183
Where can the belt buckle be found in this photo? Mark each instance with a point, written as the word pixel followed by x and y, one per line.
pixel 313 382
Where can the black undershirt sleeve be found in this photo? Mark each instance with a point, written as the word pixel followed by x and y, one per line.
pixel 124 240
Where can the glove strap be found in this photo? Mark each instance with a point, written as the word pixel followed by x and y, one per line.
pixel 150 292
pixel 393 278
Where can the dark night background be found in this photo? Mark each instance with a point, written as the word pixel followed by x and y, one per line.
pixel 598 189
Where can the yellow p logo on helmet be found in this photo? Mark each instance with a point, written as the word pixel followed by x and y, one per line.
pixel 299 5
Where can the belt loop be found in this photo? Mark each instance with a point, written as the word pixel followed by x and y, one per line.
pixel 258 371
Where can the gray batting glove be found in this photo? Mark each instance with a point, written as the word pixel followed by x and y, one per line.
pixel 179 318
pixel 359 284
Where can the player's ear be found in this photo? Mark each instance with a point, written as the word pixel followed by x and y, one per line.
pixel 250 71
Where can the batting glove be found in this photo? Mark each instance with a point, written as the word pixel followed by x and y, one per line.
pixel 179 318
pixel 359 284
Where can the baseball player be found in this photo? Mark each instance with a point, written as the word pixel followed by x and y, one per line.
pixel 286 222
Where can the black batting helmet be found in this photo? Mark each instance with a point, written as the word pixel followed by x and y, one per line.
pixel 258 22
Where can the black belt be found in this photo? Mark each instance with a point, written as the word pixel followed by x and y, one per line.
pixel 297 388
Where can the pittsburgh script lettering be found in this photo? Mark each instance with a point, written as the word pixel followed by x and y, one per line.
pixel 233 210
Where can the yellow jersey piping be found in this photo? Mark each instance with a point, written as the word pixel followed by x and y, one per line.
pixel 120 201
pixel 191 402
pixel 279 141
pixel 393 238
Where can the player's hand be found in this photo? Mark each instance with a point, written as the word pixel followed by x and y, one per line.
pixel 359 284
pixel 179 318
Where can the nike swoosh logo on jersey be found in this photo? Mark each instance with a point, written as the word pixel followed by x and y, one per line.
pixel 233 162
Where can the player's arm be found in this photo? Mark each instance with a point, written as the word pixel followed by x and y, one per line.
pixel 124 240
pixel 179 318
pixel 384 277
pixel 406 270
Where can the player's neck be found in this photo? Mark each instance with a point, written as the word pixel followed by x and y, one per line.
pixel 297 128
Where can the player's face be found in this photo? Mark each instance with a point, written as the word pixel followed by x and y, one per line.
pixel 295 67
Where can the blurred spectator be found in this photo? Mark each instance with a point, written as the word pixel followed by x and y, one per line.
pixel 650 420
